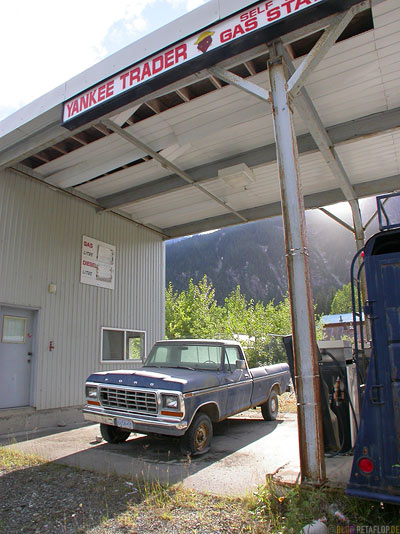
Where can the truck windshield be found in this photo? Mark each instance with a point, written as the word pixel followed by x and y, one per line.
pixel 203 357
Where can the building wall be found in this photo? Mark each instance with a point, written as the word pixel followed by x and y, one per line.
pixel 40 242
pixel 341 330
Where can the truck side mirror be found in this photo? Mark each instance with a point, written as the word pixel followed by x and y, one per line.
pixel 240 364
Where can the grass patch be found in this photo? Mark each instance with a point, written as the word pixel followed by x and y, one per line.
pixel 287 508
pixel 175 509
pixel 11 459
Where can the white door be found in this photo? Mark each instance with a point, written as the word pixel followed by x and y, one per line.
pixel 15 356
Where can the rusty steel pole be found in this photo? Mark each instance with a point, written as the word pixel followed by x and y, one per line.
pixel 311 445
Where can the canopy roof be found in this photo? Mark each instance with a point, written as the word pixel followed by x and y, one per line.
pixel 187 152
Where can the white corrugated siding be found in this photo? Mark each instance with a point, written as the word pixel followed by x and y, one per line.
pixel 40 242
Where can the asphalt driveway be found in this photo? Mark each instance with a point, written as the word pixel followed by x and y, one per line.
pixel 244 450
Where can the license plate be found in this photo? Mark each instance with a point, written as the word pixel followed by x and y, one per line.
pixel 123 423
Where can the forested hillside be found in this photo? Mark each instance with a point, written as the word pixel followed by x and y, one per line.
pixel 252 256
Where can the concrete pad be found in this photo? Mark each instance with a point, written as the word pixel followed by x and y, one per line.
pixel 28 419
pixel 244 450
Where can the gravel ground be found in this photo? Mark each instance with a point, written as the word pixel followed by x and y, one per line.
pixel 49 498
pixel 46 498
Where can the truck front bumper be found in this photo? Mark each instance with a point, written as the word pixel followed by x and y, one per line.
pixel 168 426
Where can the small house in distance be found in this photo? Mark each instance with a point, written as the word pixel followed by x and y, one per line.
pixel 340 325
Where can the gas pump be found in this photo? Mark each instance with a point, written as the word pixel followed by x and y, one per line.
pixel 376 465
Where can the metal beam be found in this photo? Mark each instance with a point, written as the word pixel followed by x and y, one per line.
pixel 168 165
pixel 310 116
pixel 123 116
pixel 341 133
pixel 241 83
pixel 321 48
pixel 338 220
pixel 312 28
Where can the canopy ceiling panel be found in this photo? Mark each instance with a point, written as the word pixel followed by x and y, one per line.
pixel 372 158
pixel 159 160
pixel 177 209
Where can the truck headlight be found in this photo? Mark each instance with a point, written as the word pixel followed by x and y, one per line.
pixel 170 401
pixel 91 392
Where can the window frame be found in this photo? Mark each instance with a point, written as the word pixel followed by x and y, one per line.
pixel 227 364
pixel 4 337
pixel 125 355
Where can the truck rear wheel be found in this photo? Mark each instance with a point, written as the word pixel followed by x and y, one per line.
pixel 113 434
pixel 270 408
pixel 198 436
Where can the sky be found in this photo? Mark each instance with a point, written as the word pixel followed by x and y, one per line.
pixel 44 43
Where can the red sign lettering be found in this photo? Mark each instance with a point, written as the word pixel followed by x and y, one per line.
pixel 134 76
pixel 181 53
pixel 123 78
pixel 239 29
pixel 146 71
pixel 157 64
pixel 288 5
pixel 258 16
pixel 92 98
pixel 273 14
pixel 89 264
pixel 101 93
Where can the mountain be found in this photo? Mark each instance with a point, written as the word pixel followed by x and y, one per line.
pixel 252 255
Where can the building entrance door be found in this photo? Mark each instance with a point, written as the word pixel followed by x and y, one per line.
pixel 15 356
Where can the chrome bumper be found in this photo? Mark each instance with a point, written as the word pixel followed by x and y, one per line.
pixel 140 423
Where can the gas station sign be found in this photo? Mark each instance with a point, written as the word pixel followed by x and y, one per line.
pixel 259 16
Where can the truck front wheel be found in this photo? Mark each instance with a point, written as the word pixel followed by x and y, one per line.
pixel 113 434
pixel 198 436
pixel 270 408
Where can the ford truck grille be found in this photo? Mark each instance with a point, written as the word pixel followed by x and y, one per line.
pixel 129 399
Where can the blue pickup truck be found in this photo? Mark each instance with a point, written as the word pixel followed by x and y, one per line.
pixel 183 388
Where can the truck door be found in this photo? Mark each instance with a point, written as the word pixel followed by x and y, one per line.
pixel 237 382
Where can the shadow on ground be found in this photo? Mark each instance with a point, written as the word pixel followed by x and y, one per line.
pixel 160 459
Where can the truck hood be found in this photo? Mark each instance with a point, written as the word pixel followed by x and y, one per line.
pixel 172 379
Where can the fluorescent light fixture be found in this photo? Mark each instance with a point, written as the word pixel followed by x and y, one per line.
pixel 237 175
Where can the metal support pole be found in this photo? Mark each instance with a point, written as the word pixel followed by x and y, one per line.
pixel 311 445
pixel 358 225
pixel 359 233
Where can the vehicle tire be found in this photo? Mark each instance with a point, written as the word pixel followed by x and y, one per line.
pixel 270 408
pixel 198 437
pixel 113 434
